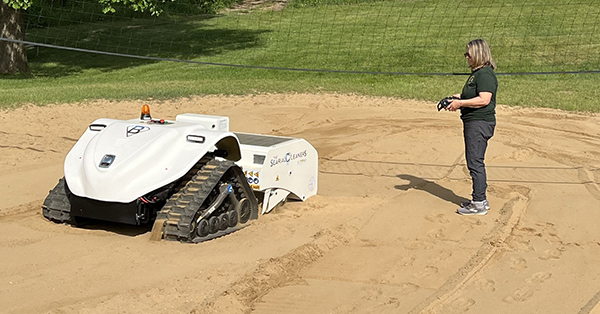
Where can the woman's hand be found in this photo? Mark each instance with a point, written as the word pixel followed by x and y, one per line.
pixel 454 105
pixel 476 102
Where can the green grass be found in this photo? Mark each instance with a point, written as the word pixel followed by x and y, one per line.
pixel 387 36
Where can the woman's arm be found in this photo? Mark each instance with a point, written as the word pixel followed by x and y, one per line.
pixel 482 100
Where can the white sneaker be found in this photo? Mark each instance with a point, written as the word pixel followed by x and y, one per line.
pixel 486 204
pixel 473 208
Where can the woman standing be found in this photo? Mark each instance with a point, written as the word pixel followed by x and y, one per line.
pixel 477 104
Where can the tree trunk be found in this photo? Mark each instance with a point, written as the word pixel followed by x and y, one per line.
pixel 13 57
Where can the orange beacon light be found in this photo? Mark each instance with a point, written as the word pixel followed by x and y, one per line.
pixel 145 113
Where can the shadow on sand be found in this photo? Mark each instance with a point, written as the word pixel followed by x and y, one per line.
pixel 429 187
pixel 113 227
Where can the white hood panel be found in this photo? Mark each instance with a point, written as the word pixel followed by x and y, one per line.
pixel 147 156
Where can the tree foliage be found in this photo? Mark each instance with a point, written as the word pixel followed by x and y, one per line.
pixel 137 5
pixel 18 4
pixel 13 57
pixel 152 6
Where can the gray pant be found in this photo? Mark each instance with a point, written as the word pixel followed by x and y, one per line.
pixel 477 133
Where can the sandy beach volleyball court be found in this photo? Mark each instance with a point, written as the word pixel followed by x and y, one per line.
pixel 381 236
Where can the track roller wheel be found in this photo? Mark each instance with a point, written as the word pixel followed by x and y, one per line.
pixel 203 228
pixel 245 209
pixel 214 224
pixel 233 218
pixel 223 221
pixel 209 194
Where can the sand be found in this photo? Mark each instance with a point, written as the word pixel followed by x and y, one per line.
pixel 381 236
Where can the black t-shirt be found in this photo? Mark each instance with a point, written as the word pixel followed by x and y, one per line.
pixel 481 80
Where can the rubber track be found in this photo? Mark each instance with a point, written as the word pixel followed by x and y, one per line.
pixel 181 210
pixel 56 206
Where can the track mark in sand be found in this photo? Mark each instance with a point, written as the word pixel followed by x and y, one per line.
pixel 27 148
pixel 540 277
pixel 518 263
pixel 520 295
pixel 462 305
pixel 526 292
pixel 14 213
pixel 438 219
pixel 590 184
pixel 427 272
pixel 29 216
pixel 425 173
pixel 551 254
pixel 591 304
pixel 510 215
pixel 405 287
pixel 15 232
pixel 277 272
pixel 32 142
pixel 487 285
pixel 574 134
pixel 12 243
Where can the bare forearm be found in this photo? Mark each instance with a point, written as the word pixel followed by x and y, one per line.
pixel 482 100
pixel 475 102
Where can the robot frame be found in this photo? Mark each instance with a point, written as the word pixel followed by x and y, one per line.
pixel 191 177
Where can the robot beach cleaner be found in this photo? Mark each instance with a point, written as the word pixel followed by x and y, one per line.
pixel 191 178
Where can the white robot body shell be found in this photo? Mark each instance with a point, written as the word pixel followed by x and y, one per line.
pixel 280 167
pixel 119 161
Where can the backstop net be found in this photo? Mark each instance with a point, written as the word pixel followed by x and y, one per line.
pixel 379 36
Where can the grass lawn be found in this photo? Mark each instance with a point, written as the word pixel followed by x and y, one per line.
pixel 370 36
